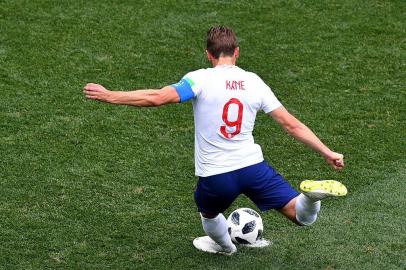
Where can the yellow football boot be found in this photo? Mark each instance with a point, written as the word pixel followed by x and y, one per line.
pixel 318 190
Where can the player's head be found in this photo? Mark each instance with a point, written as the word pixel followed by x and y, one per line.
pixel 221 42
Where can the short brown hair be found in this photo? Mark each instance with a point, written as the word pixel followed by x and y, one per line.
pixel 221 41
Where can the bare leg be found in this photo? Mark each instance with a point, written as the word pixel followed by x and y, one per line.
pixel 289 211
pixel 206 215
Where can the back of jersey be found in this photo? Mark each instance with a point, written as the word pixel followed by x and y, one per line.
pixel 226 102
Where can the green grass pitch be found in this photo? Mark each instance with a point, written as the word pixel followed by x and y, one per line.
pixel 85 185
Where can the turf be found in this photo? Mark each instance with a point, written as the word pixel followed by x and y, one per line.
pixel 85 185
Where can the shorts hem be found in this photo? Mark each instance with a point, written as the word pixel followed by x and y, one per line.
pixel 280 206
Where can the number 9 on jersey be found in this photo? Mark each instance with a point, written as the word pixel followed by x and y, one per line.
pixel 236 124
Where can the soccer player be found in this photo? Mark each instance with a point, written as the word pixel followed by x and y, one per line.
pixel 228 163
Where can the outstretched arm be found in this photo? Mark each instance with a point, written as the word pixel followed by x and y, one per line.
pixel 302 133
pixel 140 98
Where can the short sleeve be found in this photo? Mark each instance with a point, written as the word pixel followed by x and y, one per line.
pixel 269 100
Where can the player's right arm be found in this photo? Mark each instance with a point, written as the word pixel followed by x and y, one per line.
pixel 302 133
pixel 186 89
pixel 140 98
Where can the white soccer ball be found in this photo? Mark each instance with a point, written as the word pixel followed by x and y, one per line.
pixel 245 226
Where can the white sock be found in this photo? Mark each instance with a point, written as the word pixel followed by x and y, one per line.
pixel 306 209
pixel 217 229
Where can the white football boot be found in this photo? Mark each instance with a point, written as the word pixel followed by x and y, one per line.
pixel 206 244
pixel 318 190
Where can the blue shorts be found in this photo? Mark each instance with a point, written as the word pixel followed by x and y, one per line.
pixel 259 182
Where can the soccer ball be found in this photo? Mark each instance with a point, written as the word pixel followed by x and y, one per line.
pixel 245 226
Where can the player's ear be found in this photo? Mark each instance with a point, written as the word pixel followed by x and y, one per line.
pixel 237 52
pixel 209 56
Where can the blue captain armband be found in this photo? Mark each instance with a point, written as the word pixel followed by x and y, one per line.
pixel 184 89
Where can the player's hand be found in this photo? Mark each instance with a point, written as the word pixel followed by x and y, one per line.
pixel 97 92
pixel 335 160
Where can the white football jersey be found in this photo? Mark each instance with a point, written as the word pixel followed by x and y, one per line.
pixel 226 100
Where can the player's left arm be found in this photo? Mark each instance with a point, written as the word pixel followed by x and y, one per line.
pixel 140 98
pixel 302 133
